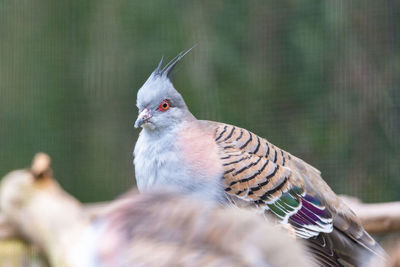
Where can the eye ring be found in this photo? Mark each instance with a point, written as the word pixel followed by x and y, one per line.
pixel 164 105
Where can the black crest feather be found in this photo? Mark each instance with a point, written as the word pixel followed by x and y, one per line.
pixel 167 70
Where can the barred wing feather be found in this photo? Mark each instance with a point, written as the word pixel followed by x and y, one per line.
pixel 257 171
pixel 276 182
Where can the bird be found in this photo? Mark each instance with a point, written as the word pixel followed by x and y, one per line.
pixel 229 165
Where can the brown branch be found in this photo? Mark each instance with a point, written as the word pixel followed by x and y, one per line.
pixel 7 230
pixel 376 218
pixel 143 229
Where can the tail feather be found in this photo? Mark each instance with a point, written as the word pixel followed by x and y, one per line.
pixel 357 252
pixel 321 248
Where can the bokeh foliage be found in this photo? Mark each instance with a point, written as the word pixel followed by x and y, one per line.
pixel 320 79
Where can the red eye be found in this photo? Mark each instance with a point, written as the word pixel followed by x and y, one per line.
pixel 164 106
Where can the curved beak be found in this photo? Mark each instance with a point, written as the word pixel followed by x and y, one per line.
pixel 143 118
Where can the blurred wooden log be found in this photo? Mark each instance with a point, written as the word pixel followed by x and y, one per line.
pixel 377 218
pixel 15 252
pixel 138 229
pixel 394 253
pixel 36 207
pixel 7 230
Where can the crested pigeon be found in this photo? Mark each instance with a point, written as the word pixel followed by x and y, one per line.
pixel 229 165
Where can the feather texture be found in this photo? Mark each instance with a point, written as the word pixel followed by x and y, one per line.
pixel 277 183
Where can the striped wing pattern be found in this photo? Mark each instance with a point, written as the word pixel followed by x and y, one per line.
pixel 257 171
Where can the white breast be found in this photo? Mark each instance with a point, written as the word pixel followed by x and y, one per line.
pixel 154 159
pixel 160 164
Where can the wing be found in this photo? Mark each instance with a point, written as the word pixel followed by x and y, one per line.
pixel 259 172
pixel 275 182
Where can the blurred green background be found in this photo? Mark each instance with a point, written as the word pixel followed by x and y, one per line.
pixel 320 79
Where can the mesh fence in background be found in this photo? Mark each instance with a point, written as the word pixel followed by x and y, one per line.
pixel 318 79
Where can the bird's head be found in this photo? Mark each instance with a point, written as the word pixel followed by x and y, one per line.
pixel 160 104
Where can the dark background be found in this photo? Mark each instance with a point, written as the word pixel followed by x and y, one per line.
pixel 320 79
